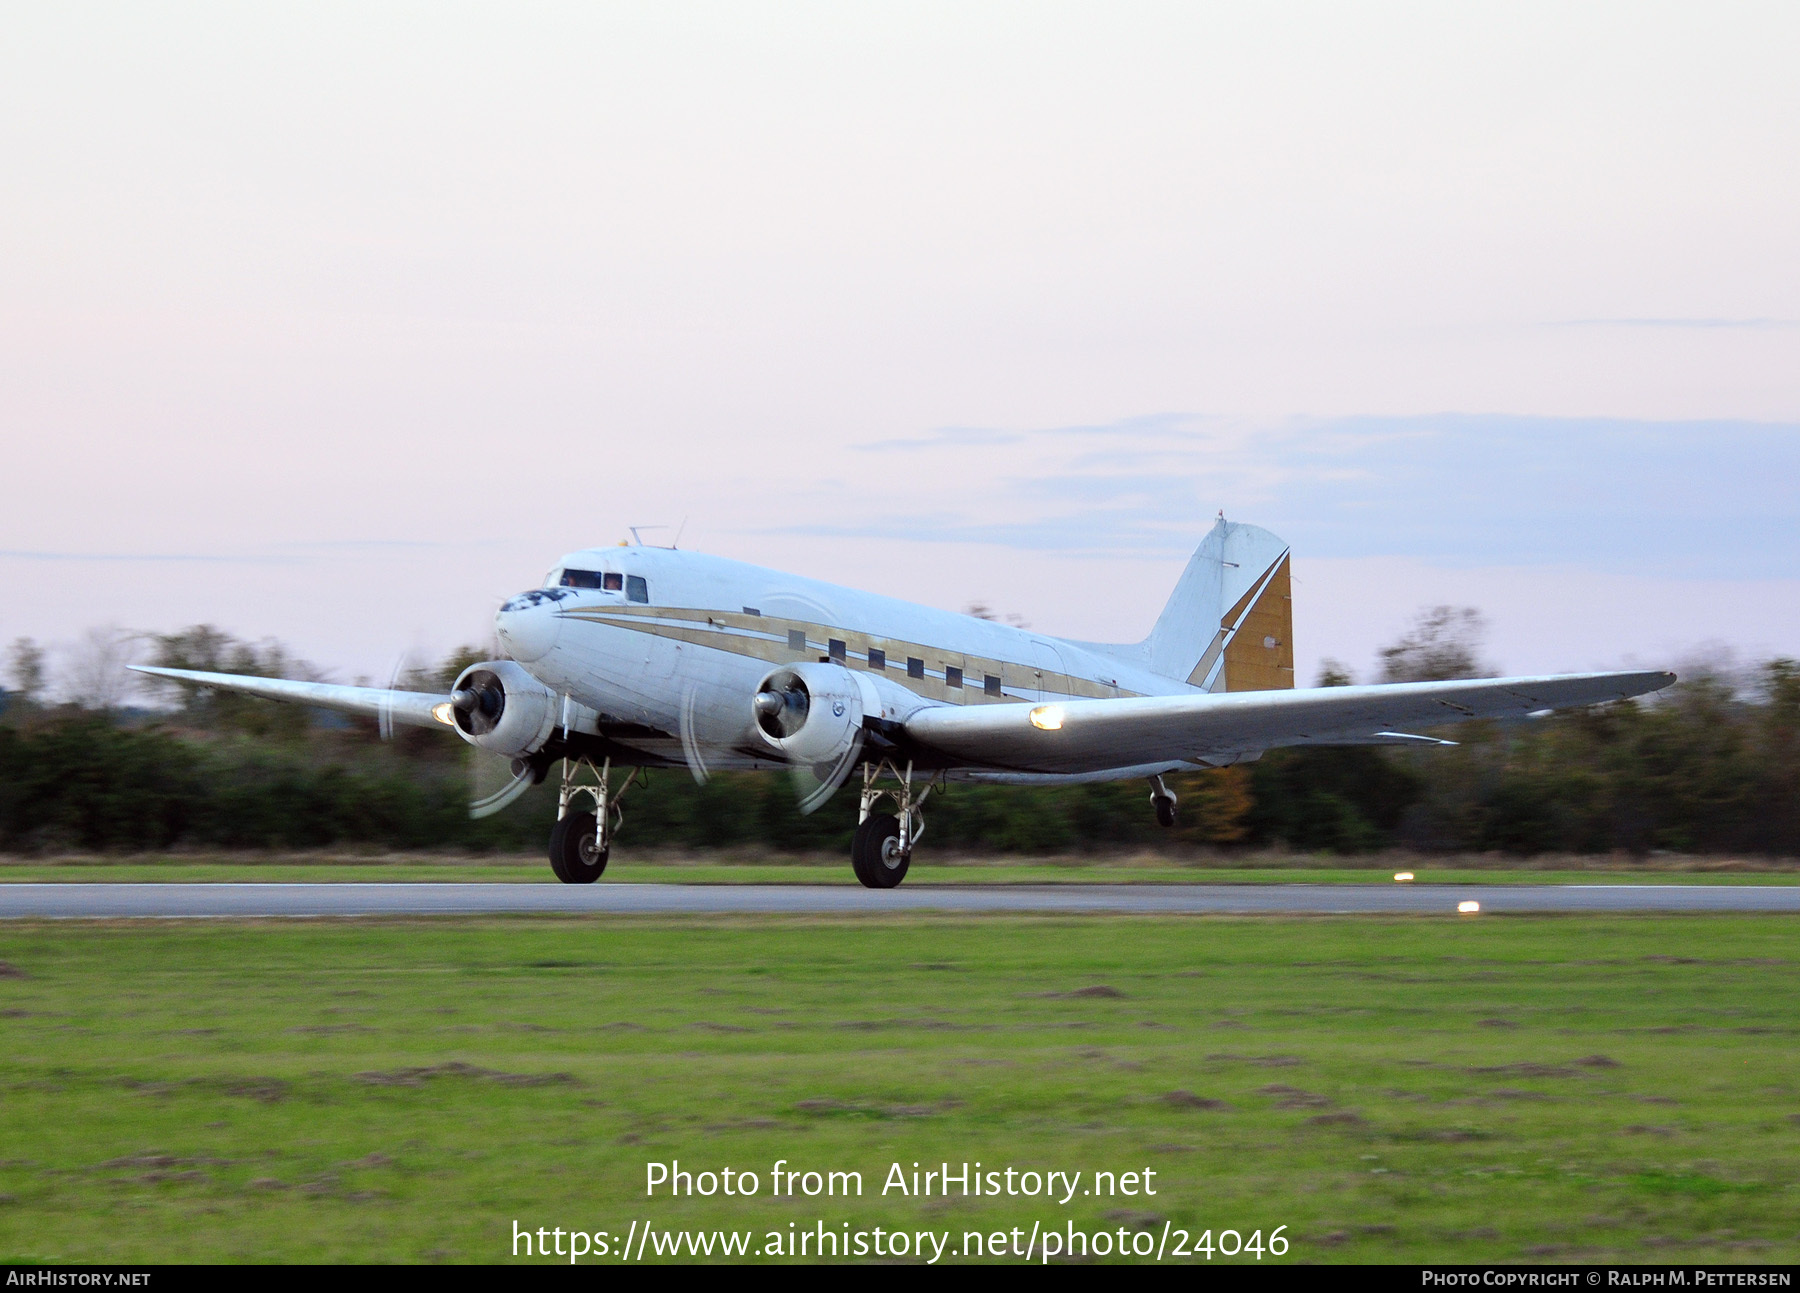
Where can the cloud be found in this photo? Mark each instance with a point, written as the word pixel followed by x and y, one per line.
pixel 1693 499
pixel 943 437
pixel 1100 532
pixel 1675 499
pixel 1752 324
pixel 24 554
pixel 281 554
pixel 1145 428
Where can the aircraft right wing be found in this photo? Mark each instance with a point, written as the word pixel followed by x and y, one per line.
pixel 1079 736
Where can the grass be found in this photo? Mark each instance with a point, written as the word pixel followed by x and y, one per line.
pixel 928 868
pixel 1563 1089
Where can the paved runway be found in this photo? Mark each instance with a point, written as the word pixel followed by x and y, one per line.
pixel 185 900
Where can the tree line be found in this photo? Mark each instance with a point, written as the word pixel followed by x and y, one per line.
pixel 1711 766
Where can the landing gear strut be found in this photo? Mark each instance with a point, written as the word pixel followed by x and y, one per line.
pixel 1163 800
pixel 581 841
pixel 882 849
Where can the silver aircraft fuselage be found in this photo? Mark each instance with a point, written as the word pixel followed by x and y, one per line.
pixel 666 635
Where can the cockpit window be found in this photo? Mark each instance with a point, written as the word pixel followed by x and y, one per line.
pixel 636 590
pixel 610 581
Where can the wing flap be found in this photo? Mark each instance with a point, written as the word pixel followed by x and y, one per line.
pixel 1134 731
pixel 411 707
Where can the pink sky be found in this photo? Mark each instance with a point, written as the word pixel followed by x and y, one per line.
pixel 338 323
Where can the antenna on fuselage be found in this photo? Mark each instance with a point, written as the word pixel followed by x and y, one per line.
pixel 638 539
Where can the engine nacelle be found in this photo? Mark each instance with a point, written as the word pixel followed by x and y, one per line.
pixel 811 713
pixel 500 707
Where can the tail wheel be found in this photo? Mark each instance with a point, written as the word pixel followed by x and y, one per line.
pixel 877 854
pixel 575 855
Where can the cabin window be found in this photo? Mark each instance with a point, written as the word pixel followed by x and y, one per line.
pixel 751 610
pixel 990 684
pixel 580 579
pixel 877 658
pixel 835 649
pixel 613 581
pixel 915 667
pixel 796 639
pixel 636 590
pixel 952 676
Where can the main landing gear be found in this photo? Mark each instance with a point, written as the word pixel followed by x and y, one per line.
pixel 882 848
pixel 1163 800
pixel 581 840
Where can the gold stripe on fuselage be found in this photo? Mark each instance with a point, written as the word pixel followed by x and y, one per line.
pixel 767 638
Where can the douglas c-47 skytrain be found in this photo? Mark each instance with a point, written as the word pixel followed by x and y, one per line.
pixel 637 657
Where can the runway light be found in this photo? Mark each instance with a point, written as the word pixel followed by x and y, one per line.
pixel 443 714
pixel 1404 877
pixel 1468 908
pixel 1048 718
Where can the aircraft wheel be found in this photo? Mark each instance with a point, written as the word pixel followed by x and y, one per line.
pixel 876 855
pixel 1165 811
pixel 573 854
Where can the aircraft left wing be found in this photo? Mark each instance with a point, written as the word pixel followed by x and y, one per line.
pixel 411 707
pixel 1078 736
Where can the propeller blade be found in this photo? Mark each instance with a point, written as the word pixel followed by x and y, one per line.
pixel 815 784
pixel 384 720
pixel 691 748
pixel 496 782
pixel 714 727
pixel 487 807
pixel 404 675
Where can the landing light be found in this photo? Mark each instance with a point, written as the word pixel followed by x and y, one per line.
pixel 1048 718
pixel 1468 908
pixel 443 714
pixel 1404 877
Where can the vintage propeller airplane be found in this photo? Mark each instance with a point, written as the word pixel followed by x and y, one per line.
pixel 634 657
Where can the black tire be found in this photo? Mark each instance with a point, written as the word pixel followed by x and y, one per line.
pixel 876 855
pixel 573 856
pixel 1165 812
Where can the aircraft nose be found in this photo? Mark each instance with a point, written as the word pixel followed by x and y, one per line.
pixel 528 625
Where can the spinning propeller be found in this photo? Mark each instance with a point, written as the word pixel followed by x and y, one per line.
pixel 821 735
pixel 712 728
pixel 494 780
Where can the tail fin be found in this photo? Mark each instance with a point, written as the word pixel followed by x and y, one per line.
pixel 1229 625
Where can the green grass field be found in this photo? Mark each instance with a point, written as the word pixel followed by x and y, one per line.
pixel 1388 1089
